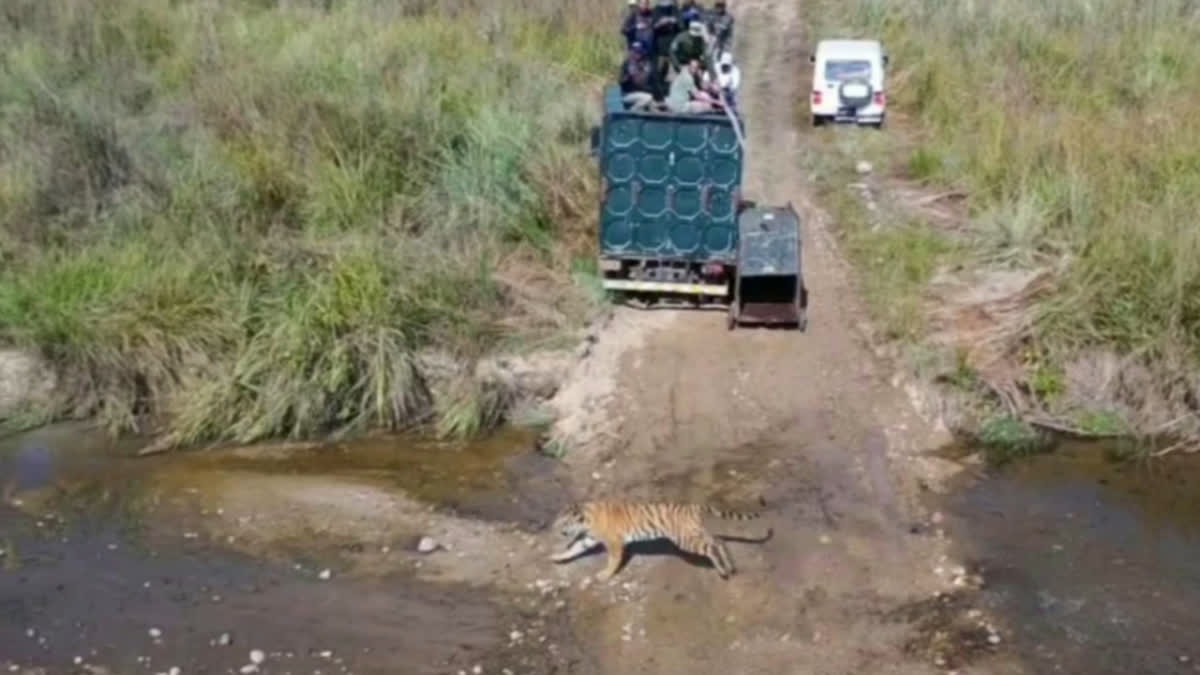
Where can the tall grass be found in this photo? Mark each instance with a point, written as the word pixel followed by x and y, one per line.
pixel 1068 125
pixel 248 216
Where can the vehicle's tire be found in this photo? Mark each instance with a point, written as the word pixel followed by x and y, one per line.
pixel 855 101
pixel 817 120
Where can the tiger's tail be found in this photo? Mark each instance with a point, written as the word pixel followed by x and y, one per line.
pixel 760 536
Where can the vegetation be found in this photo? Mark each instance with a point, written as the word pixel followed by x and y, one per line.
pixel 248 219
pixel 1005 439
pixel 1061 124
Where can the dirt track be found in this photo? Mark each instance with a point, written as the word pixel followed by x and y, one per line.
pixel 675 407
pixel 808 421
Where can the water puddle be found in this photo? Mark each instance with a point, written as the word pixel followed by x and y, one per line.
pixel 1094 564
pixel 491 479
pixel 71 468
pixel 81 582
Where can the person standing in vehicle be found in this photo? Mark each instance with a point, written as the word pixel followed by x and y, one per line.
pixel 690 46
pixel 639 26
pixel 688 13
pixel 666 27
pixel 720 25
pixel 637 79
pixel 729 80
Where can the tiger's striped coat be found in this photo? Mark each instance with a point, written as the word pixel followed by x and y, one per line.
pixel 616 524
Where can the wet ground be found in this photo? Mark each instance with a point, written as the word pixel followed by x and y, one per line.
pixel 98 571
pixel 1087 565
pixel 1094 564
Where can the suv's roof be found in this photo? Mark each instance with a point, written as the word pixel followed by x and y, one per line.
pixel 834 48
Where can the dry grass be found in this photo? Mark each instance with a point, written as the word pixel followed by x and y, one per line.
pixel 1061 123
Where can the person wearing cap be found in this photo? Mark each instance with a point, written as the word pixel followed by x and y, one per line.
pixel 639 26
pixel 689 46
pixel 637 79
pixel 720 25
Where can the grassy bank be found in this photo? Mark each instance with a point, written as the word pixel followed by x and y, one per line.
pixel 248 218
pixel 1062 124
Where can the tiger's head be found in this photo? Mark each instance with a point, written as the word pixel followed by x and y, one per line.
pixel 570 522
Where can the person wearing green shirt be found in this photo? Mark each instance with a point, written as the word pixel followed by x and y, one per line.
pixel 692 44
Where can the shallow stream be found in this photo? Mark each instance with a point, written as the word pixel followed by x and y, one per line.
pixel 1094 563
pixel 1093 566
pixel 84 582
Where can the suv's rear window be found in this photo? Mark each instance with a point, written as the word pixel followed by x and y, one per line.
pixel 838 71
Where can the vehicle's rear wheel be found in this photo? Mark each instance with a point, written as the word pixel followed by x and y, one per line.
pixel 818 120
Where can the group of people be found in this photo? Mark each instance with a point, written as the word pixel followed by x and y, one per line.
pixel 679 57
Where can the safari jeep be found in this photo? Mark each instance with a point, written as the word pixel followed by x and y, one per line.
pixel 848 82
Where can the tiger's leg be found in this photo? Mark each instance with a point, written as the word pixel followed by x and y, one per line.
pixel 616 554
pixel 712 548
pixel 575 550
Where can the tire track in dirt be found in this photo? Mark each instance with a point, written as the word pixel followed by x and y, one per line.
pixel 806 420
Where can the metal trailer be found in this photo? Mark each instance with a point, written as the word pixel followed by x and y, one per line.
pixel 768 286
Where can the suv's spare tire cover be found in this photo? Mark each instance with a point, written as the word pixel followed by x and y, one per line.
pixel 855 93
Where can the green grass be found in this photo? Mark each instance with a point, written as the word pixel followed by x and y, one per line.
pixel 1005 439
pixel 246 220
pixel 1065 125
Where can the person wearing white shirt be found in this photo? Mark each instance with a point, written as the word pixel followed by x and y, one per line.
pixel 729 78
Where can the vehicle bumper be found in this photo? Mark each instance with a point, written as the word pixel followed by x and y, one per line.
pixel 872 114
pixel 859 118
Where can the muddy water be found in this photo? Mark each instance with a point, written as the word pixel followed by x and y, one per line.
pixel 1090 566
pixel 83 583
pixel 1093 564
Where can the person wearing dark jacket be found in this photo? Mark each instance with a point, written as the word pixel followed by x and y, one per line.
pixel 720 26
pixel 637 79
pixel 666 27
pixel 690 46
pixel 689 12
pixel 639 26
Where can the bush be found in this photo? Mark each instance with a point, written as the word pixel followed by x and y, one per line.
pixel 1061 121
pixel 249 218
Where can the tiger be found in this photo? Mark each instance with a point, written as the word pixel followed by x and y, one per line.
pixel 618 523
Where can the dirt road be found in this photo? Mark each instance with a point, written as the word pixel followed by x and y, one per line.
pixel 808 421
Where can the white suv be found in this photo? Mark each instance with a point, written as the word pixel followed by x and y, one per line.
pixel 848 77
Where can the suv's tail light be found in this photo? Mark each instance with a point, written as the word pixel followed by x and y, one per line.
pixel 816 98
pixel 880 98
